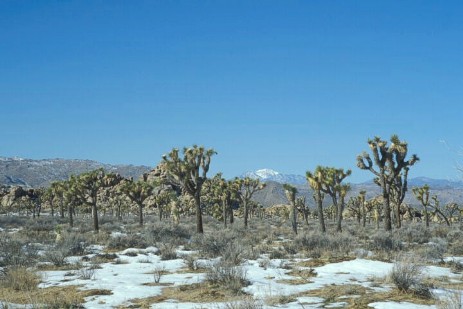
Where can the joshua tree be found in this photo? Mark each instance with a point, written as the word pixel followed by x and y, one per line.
pixel 422 195
pixel 315 181
pixel 290 192
pixel 222 193
pixel 329 181
pixel 246 188
pixel 186 173
pixel 390 162
pixel 85 188
pixel 301 206
pixel 138 192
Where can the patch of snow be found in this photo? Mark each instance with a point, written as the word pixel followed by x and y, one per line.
pixel 401 305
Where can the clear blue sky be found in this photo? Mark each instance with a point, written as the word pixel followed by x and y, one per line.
pixel 282 84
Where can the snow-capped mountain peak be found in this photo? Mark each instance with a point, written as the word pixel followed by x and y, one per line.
pixel 267 174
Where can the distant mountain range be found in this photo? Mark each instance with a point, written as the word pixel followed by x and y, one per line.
pixel 267 174
pixel 40 173
pixel 446 190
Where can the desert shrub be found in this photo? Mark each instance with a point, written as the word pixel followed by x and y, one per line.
pixel 167 251
pixel 19 279
pixel 168 233
pixel 435 249
pixel 191 261
pixel 277 253
pixel 230 277
pixel 87 273
pixel 415 233
pixel 213 245
pixel 454 235
pixel 16 253
pixel 406 275
pixel 74 243
pixel 121 242
pixel 329 244
pixel 56 256
pixel 441 231
pixel 158 272
pixel 234 254
pixel 456 247
pixel 385 242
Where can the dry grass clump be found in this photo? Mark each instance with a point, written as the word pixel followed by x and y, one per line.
pixel 19 279
pixel 52 297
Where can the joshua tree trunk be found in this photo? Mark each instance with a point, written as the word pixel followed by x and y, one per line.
pixel 339 215
pixel 294 218
pixel 140 213
pixel 95 217
pixel 71 215
pixel 246 213
pixel 199 217
pixel 224 212
pixel 321 220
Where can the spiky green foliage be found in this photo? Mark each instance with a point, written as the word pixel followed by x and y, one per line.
pixel 390 162
pixel 190 173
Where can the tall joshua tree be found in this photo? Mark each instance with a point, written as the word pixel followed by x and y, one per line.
pixel 290 192
pixel 246 188
pixel 333 186
pixel 189 173
pixel 85 187
pixel 315 181
pixel 390 162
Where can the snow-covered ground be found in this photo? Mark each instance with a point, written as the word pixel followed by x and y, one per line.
pixel 133 278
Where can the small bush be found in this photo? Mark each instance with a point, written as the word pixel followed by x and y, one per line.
pixel 57 257
pixel 87 273
pixel 167 233
pixel 415 233
pixel 158 272
pixel 233 278
pixel 75 244
pixel 191 261
pixel 385 242
pixel 407 277
pixel 167 251
pixel 212 245
pixel 339 244
pixel 126 241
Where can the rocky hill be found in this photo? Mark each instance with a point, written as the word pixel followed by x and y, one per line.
pixel 40 173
